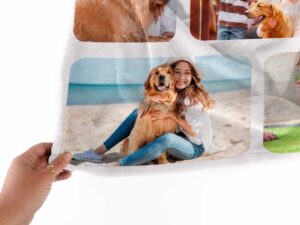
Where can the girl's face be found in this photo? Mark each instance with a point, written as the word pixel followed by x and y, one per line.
pixel 182 75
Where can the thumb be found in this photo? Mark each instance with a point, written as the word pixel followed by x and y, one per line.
pixel 59 164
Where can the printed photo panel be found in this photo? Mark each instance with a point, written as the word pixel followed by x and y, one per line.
pixel 136 102
pixel 245 19
pixel 125 21
pixel 282 103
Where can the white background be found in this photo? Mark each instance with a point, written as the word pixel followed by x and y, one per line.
pixel 33 37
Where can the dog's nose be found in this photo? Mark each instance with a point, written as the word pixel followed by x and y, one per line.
pixel 161 78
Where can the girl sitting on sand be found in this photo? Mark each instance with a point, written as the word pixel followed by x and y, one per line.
pixel 191 142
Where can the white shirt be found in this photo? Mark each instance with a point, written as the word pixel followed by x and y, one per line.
pixel 200 122
pixel 166 23
pixel 292 10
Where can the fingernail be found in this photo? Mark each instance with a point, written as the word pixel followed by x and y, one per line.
pixel 68 156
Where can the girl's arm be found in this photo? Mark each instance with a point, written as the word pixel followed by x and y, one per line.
pixel 184 125
pixel 153 98
pixel 159 98
pixel 156 115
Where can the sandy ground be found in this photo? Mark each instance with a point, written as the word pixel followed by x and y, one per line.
pixel 282 96
pixel 280 111
pixel 87 127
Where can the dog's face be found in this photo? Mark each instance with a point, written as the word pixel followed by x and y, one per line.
pixel 157 8
pixel 259 11
pixel 161 79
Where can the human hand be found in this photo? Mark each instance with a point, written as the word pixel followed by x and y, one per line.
pixel 168 35
pixel 157 115
pixel 28 183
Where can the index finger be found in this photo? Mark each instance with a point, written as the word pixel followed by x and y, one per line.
pixel 155 115
pixel 155 111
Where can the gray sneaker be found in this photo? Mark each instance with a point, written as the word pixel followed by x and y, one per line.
pixel 88 156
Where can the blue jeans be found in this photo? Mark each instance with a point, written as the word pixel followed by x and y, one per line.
pixel 231 33
pixel 177 146
pixel 122 131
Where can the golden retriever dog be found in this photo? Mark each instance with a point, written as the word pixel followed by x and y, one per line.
pixel 160 82
pixel 263 13
pixel 117 20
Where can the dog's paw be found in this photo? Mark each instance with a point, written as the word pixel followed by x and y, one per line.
pixel 162 160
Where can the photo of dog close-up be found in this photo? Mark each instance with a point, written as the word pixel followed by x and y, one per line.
pixel 272 22
pixel 244 19
pixel 118 20
pixel 160 82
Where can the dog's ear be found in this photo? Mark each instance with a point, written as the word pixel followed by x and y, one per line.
pixel 263 4
pixel 173 84
pixel 157 4
pixel 170 70
pixel 161 2
pixel 274 11
pixel 157 8
pixel 147 83
pixel 172 77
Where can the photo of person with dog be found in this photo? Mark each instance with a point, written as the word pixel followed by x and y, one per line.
pixel 189 115
pixel 245 19
pixel 182 109
pixel 232 20
pixel 132 20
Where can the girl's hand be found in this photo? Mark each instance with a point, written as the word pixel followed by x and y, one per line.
pixel 157 115
pixel 168 35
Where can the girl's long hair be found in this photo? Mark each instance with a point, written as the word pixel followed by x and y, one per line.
pixel 195 92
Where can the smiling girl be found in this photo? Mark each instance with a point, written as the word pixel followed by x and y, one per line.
pixel 194 136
